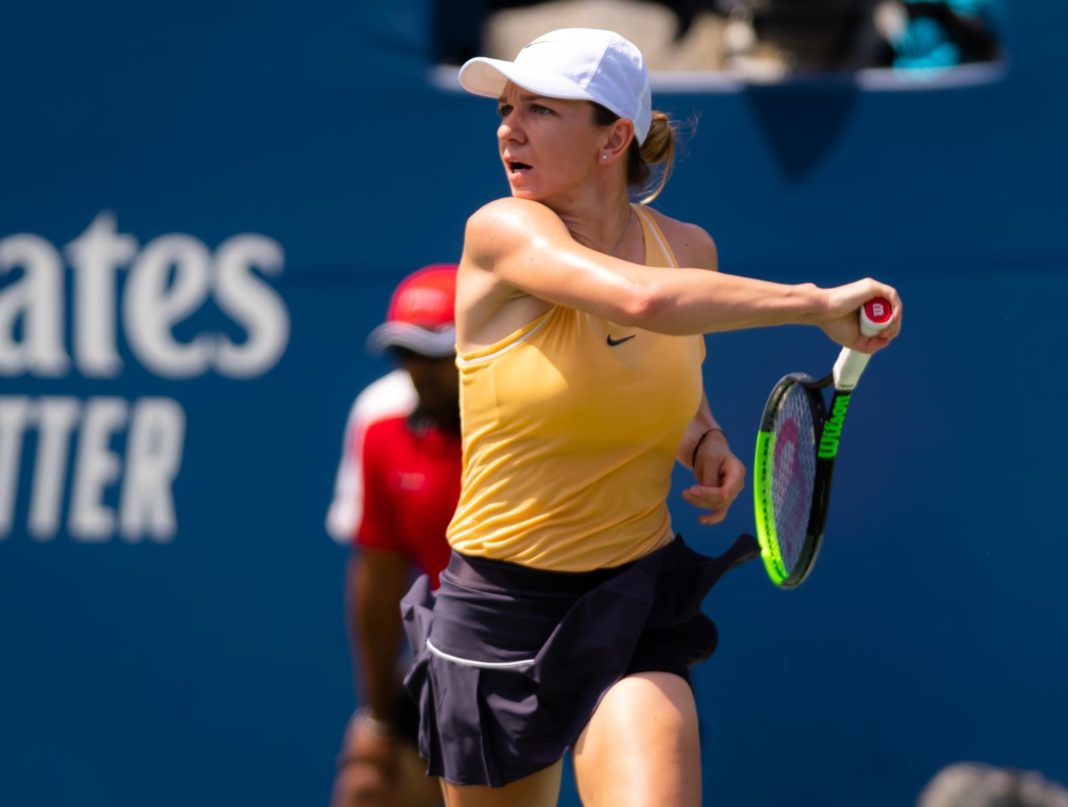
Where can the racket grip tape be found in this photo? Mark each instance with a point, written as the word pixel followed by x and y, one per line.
pixel 848 368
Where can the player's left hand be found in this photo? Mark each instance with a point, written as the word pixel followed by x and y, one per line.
pixel 720 478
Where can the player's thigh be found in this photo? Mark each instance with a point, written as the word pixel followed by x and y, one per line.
pixel 641 747
pixel 541 789
pixel 415 788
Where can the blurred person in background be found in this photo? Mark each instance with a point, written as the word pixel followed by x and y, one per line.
pixel 672 34
pixel 763 40
pixel 936 34
pixel 396 490
pixel 773 38
pixel 970 784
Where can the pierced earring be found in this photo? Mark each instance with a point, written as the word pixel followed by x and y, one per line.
pixel 604 156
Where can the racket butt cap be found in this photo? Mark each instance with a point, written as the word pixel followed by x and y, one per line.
pixel 875 315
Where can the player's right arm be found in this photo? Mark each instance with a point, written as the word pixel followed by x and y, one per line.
pixel 515 247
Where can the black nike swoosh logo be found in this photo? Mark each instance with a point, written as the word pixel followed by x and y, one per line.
pixel 613 342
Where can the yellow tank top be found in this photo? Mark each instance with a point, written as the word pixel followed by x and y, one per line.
pixel 571 426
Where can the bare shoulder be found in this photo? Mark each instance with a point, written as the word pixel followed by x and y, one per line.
pixel 489 305
pixel 691 243
pixel 505 209
pixel 499 224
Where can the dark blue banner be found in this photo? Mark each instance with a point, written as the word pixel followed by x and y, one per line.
pixel 202 214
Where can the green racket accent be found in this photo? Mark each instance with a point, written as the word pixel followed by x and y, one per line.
pixel 764 507
pixel 832 429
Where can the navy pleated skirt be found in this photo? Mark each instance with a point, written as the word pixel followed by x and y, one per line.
pixel 510 662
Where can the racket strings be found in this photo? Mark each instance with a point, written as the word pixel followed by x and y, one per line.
pixel 794 473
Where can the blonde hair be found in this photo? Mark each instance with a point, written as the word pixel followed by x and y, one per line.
pixel 648 165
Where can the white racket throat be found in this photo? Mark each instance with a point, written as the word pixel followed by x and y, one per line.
pixel 848 369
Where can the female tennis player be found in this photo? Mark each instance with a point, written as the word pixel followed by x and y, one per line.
pixel 569 613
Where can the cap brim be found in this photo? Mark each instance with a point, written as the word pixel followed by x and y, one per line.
pixel 433 343
pixel 487 77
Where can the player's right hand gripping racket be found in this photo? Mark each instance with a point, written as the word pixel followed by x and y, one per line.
pixel 796 447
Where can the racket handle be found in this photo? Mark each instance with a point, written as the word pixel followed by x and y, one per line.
pixel 847 369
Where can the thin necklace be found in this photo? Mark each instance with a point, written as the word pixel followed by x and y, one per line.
pixel 630 215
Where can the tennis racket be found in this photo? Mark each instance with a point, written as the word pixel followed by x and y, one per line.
pixel 795 452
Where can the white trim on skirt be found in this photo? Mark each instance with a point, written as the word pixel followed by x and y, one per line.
pixel 485 665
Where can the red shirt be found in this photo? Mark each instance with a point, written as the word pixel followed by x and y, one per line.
pixel 411 481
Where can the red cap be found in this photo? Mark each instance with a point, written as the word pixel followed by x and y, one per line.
pixel 421 315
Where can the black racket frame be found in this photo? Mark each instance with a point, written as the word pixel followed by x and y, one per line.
pixel 821 491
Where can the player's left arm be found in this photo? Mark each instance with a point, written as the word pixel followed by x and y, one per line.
pixel 705 448
pixel 720 474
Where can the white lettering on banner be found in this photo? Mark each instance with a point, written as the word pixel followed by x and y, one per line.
pixel 37 300
pixel 56 419
pixel 150 309
pixel 155 433
pixel 170 279
pixel 115 449
pixel 153 457
pixel 14 412
pixel 96 256
pixel 251 303
pixel 96 468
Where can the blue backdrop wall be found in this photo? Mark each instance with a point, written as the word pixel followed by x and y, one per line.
pixel 202 212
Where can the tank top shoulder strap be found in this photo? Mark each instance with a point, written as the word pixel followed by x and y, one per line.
pixel 657 249
pixel 517 337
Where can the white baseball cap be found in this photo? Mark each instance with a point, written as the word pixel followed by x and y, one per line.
pixel 576 63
